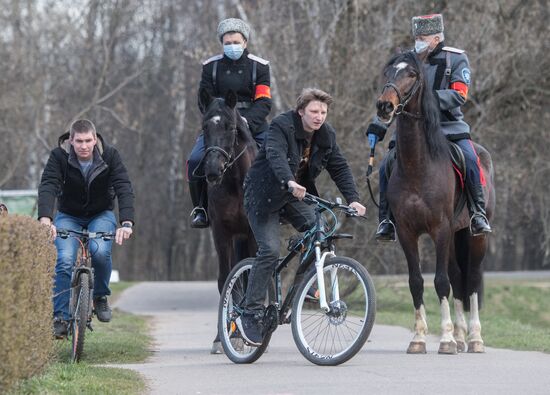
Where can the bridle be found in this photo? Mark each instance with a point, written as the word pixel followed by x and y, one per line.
pixel 229 159
pixel 403 101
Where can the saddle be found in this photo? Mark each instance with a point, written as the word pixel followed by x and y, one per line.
pixel 459 166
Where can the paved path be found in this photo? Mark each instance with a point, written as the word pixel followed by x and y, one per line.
pixel 184 324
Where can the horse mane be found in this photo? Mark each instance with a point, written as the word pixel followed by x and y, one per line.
pixel 435 139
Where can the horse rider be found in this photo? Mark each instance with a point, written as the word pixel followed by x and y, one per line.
pixel 448 73
pixel 299 145
pixel 248 76
pixel 84 175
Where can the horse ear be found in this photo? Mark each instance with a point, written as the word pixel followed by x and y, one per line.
pixel 204 99
pixel 231 99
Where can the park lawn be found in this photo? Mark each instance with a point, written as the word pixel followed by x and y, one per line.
pixel 124 340
pixel 515 314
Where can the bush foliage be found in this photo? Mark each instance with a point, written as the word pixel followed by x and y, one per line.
pixel 27 261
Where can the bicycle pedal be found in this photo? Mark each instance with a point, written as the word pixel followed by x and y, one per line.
pixel 271 318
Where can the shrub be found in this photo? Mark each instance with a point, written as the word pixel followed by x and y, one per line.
pixel 27 261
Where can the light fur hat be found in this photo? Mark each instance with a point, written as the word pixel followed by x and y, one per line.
pixel 233 25
pixel 427 25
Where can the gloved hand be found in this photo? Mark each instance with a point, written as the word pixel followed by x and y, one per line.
pixel 376 130
pixel 373 139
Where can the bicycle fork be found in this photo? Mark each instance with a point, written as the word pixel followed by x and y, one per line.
pixel 319 267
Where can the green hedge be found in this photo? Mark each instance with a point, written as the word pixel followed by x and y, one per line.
pixel 27 261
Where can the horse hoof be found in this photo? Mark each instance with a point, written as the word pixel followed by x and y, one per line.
pixel 460 346
pixel 447 348
pixel 417 348
pixel 216 348
pixel 476 347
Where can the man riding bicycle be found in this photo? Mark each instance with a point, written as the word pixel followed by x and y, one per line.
pixel 84 175
pixel 299 145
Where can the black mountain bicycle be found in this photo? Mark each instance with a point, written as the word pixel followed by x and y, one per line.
pixel 82 288
pixel 331 303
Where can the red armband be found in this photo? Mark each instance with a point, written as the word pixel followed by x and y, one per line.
pixel 461 88
pixel 262 91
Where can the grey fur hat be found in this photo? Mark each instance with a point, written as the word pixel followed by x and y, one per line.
pixel 427 25
pixel 233 25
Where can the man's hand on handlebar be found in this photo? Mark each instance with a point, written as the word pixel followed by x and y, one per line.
pixel 122 234
pixel 298 191
pixel 361 210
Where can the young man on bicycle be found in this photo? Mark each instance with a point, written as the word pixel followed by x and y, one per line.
pixel 299 145
pixel 84 175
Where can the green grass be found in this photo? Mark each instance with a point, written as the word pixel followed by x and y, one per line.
pixel 515 315
pixel 123 340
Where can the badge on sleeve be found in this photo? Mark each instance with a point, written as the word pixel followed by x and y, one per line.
pixel 466 75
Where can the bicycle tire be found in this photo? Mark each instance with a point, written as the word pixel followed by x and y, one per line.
pixel 234 290
pixel 80 316
pixel 322 337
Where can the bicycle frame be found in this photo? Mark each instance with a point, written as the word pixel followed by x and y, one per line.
pixel 319 240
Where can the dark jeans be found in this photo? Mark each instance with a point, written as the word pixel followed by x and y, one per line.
pixel 266 229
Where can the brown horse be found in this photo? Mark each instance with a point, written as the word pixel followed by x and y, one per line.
pixel 230 151
pixel 422 194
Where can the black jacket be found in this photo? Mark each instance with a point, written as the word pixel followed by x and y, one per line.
pixel 278 160
pixel 63 179
pixel 253 102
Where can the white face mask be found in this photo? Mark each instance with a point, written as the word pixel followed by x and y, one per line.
pixel 420 46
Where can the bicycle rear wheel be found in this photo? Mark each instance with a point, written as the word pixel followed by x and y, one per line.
pixel 331 338
pixel 230 308
pixel 80 302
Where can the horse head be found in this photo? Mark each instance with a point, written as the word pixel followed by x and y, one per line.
pixel 221 124
pixel 404 82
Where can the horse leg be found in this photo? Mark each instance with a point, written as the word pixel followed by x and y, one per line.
pixel 447 344
pixel 475 292
pixel 416 286
pixel 457 276
pixel 225 250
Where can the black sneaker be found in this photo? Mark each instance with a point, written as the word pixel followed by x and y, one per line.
pixel 60 328
pixel 251 329
pixel 312 294
pixel 102 309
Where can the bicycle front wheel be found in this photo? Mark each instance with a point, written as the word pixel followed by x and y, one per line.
pixel 80 306
pixel 231 307
pixel 333 337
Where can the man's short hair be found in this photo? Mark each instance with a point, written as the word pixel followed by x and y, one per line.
pixel 82 126
pixel 312 94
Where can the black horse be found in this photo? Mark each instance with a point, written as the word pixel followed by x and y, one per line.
pixel 423 193
pixel 230 151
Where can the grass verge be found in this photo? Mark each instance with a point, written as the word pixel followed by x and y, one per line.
pixel 515 314
pixel 123 340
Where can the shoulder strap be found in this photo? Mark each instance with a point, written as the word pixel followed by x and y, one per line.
pixel 448 65
pixel 214 72
pixel 254 77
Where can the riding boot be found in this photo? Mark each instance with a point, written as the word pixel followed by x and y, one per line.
pixel 386 228
pixel 199 216
pixel 479 224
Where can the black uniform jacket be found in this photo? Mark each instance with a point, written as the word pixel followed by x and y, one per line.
pixel 63 179
pixel 254 101
pixel 279 158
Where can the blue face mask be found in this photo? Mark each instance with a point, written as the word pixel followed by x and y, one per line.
pixel 420 46
pixel 233 51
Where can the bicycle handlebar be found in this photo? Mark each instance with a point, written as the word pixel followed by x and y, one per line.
pixel 312 199
pixel 64 233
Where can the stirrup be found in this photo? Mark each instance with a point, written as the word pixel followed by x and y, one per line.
pixel 486 220
pixel 387 221
pixel 198 208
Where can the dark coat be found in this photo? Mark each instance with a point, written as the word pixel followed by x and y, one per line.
pixel 63 179
pixel 279 158
pixel 254 103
